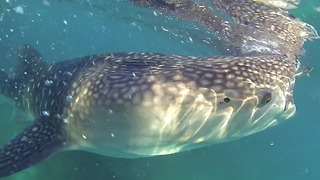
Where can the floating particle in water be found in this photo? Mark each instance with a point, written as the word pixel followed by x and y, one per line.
pixel 155 13
pixel 69 98
pixel 46 3
pixel 317 9
pixel 65 121
pixel 19 9
pixel 45 113
pixel 48 82
pixel 65 22
pixel 164 29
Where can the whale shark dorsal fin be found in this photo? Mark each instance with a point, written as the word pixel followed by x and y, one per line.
pixel 35 143
pixel 6 85
pixel 30 62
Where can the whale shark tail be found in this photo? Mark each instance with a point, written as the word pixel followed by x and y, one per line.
pixel 38 141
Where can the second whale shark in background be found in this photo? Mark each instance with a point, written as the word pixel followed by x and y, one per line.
pixel 246 27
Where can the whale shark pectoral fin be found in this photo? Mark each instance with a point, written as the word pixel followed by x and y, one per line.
pixel 35 143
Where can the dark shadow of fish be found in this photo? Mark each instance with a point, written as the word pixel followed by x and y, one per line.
pixel 141 104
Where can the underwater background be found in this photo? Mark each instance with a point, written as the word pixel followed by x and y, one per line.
pixel 66 29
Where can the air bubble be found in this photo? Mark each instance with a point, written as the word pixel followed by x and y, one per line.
pixel 45 113
pixel 69 98
pixel 48 82
pixel 19 10
pixel 65 121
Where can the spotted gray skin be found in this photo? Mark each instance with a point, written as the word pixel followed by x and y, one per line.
pixel 142 104
pixel 247 28
pixel 289 32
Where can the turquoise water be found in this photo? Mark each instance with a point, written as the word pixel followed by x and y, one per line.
pixel 68 29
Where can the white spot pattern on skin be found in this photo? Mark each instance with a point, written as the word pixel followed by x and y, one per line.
pixel 24 138
pixel 101 98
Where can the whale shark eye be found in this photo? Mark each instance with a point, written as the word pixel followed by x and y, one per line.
pixel 226 100
pixel 266 98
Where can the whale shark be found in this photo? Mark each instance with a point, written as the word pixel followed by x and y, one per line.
pixel 245 27
pixel 132 105
pixel 140 104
